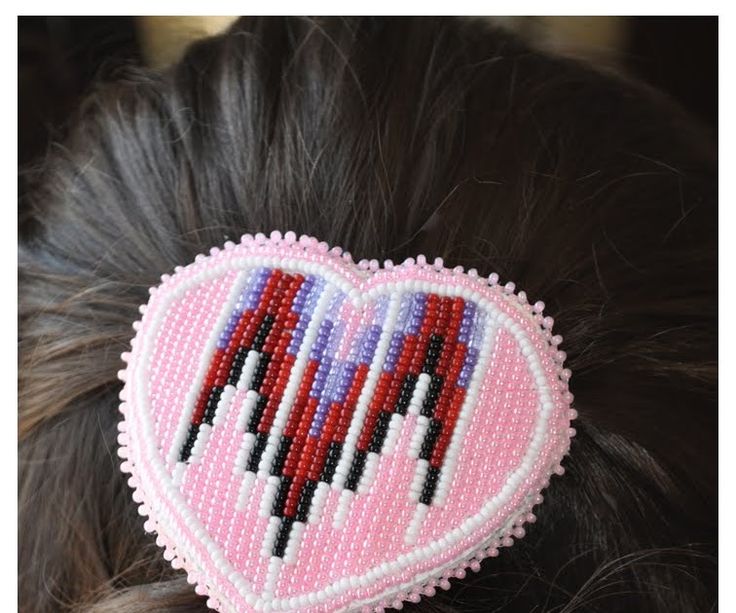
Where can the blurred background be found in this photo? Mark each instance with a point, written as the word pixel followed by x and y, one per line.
pixel 60 57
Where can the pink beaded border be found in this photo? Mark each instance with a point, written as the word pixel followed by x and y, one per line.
pixel 503 537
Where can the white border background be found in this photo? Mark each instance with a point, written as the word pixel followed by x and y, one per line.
pixel 727 212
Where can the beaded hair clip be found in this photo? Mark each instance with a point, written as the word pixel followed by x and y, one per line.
pixel 309 434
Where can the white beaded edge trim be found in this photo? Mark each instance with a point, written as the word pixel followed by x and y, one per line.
pixel 424 585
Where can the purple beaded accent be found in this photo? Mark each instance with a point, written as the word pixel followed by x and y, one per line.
pixel 476 329
pixel 328 370
pixel 302 295
pixel 419 305
pixel 466 327
pixel 248 299
pixel 305 308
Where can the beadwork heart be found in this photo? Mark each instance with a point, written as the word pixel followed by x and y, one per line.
pixel 309 434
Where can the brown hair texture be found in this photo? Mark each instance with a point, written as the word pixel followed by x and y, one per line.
pixel 390 138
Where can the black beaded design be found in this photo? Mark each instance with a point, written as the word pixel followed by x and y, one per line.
pixel 263 330
pixel 379 434
pixel 211 407
pixel 305 500
pixel 257 414
pixel 237 368
pixel 260 371
pixel 282 539
pixel 356 470
pixel 186 450
pixel 280 500
pixel 430 439
pixel 407 389
pixel 258 448
pixel 277 466
pixel 433 395
pixel 430 485
pixel 334 452
pixel 433 353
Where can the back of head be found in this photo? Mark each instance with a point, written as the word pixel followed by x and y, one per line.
pixel 389 137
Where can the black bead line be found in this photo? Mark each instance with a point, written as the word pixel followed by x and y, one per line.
pixel 302 512
pixel 257 452
pixel 305 500
pixel 262 334
pixel 405 394
pixel 380 432
pixel 430 485
pixel 255 419
pixel 356 470
pixel 257 414
pixel 434 350
pixel 282 451
pixel 430 439
pixel 436 344
pixel 259 373
pixel 280 501
pixel 282 539
pixel 237 368
pixel 334 451
pixel 211 406
pixel 186 449
pixel 433 395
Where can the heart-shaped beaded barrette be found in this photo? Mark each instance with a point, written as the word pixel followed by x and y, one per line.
pixel 309 434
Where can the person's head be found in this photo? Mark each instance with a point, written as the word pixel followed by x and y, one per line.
pixel 390 138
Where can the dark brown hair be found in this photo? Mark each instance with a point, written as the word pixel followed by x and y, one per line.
pixel 389 137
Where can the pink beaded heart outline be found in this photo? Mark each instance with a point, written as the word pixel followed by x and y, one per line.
pixel 309 434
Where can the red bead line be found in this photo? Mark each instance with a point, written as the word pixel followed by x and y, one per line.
pixel 451 397
pixel 201 404
pixel 452 329
pixel 425 331
pixel 371 417
pixel 300 453
pixel 302 396
pixel 300 437
pixel 455 366
pixel 350 402
pixel 448 426
pixel 401 369
pixel 277 342
pixel 449 328
pixel 261 310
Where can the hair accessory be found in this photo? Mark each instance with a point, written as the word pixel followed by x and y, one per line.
pixel 309 434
